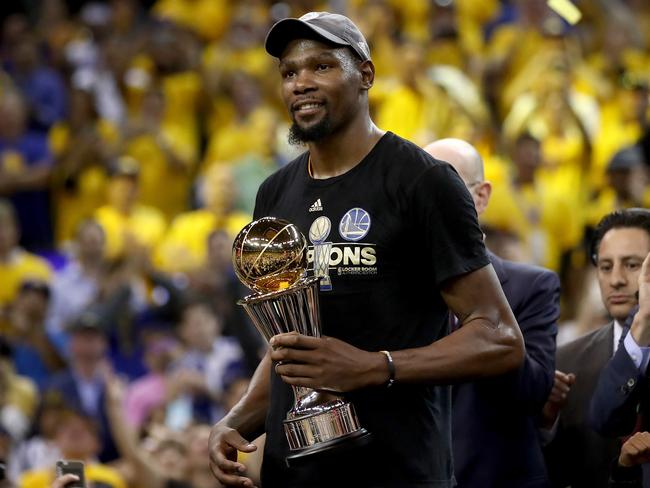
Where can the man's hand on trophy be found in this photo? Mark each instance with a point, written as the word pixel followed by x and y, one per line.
pixel 326 363
pixel 224 444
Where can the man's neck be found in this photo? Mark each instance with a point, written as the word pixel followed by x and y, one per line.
pixel 7 256
pixel 85 370
pixel 342 151
pixel 90 265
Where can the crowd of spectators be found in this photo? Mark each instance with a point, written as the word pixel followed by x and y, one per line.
pixel 134 135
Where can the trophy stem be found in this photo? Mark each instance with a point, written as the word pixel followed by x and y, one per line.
pixel 319 420
pixel 300 392
pixel 294 309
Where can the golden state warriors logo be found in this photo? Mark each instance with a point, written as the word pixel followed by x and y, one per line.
pixel 355 224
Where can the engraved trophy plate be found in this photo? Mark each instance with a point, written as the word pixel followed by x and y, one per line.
pixel 270 257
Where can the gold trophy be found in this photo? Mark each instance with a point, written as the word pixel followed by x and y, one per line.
pixel 270 257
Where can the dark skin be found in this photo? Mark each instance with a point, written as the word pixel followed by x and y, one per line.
pixel 320 81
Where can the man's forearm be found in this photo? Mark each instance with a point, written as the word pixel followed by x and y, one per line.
pixel 247 416
pixel 475 350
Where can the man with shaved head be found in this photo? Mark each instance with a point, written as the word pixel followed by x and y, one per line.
pixel 494 429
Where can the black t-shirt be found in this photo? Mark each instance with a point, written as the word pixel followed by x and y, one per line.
pixel 400 224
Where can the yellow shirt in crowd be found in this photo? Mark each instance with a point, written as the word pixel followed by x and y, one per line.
pixel 20 267
pixel 185 245
pixel 96 473
pixel 156 168
pixel 145 225
pixel 208 18
pixel 73 205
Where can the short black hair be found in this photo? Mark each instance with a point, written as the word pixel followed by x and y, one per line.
pixel 36 286
pixel 638 218
pixel 526 137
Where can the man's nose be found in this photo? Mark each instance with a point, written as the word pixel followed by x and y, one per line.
pixel 619 276
pixel 304 82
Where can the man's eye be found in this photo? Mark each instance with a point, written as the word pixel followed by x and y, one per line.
pixel 322 67
pixel 288 74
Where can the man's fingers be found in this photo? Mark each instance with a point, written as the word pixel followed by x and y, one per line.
pixel 230 479
pixel 61 481
pixel 296 370
pixel 645 269
pixel 561 377
pixel 290 354
pixel 226 465
pixel 562 388
pixel 299 381
pixel 645 437
pixel 233 439
pixel 294 340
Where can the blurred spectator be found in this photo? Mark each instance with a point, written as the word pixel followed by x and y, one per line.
pixel 185 246
pixel 169 61
pixel 208 18
pixel 165 153
pixel 217 282
pixel 77 285
pixel 5 447
pixel 538 213
pixel 42 87
pixel 199 377
pixel 126 222
pixel 14 28
pixel 627 175
pixel 39 450
pixel 18 396
pixel 149 394
pixel 83 146
pixel 199 474
pixel 77 437
pixel 25 167
pixel 82 385
pixel 242 125
pixel 162 464
pixel 16 265
pixel 34 353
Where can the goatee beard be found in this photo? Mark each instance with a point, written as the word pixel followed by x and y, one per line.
pixel 299 136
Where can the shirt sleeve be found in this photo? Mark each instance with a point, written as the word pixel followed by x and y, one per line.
pixel 640 356
pixel 445 217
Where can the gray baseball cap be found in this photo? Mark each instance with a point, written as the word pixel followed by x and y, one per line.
pixel 330 28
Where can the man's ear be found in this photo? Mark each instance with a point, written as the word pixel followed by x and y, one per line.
pixel 367 70
pixel 483 192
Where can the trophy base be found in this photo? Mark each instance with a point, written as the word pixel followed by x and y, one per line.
pixel 333 425
pixel 357 439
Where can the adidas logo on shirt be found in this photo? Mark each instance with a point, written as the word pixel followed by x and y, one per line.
pixel 317 206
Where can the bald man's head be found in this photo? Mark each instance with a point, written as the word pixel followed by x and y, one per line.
pixel 461 155
pixel 468 163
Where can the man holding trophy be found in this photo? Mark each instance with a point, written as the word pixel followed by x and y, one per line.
pixel 358 394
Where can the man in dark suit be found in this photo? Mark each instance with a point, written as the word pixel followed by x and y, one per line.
pixel 82 386
pixel 494 433
pixel 579 456
pixel 620 403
